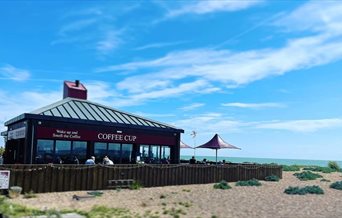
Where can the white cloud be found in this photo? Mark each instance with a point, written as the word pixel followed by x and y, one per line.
pixel 302 125
pixel 158 45
pixel 215 123
pixel 211 6
pixel 169 92
pixel 94 28
pixel 99 91
pixel 143 114
pixel 13 73
pixel 77 25
pixel 110 42
pixel 192 106
pixel 220 68
pixel 319 17
pixel 254 105
pixel 231 68
pixel 23 103
pixel 209 124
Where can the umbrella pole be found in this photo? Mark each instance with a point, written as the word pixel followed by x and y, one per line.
pixel 216 156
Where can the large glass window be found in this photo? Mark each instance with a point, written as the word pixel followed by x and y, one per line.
pixel 100 150
pixel 144 150
pixel 44 151
pixel 79 149
pixel 126 153
pixel 165 154
pixel 155 153
pixel 114 152
pixel 62 151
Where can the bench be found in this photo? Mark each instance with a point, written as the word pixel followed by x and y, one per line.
pixel 120 183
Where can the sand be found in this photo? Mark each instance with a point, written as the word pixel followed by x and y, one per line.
pixel 268 200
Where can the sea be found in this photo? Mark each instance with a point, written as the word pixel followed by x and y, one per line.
pixel 301 162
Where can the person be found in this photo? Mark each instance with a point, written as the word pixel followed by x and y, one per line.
pixel 59 160
pixel 193 160
pixel 107 161
pixel 75 160
pixel 90 161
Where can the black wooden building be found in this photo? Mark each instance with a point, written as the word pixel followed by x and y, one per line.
pixel 75 127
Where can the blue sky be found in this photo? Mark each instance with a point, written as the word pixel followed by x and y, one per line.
pixel 265 75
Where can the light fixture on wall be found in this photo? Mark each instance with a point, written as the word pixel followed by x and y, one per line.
pixel 118 131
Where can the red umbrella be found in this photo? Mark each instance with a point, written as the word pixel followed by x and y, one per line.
pixel 217 143
pixel 183 145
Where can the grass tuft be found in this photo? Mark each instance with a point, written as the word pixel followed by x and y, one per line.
pixel 136 185
pixel 305 190
pixel 272 178
pixel 222 185
pixel 336 185
pixel 334 165
pixel 251 182
pixel 320 169
pixel 307 175
pixel 291 168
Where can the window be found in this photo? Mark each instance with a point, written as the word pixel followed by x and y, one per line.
pixel 114 152
pixel 126 153
pixel 144 153
pixel 79 149
pixel 62 151
pixel 44 151
pixel 155 153
pixel 165 154
pixel 100 150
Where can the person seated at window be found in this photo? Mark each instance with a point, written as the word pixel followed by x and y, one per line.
pixel 165 161
pixel 90 161
pixel 59 160
pixel 192 160
pixel 75 160
pixel 39 159
pixel 107 161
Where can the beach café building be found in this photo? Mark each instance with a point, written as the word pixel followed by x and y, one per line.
pixel 75 127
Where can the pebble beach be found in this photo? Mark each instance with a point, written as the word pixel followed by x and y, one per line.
pixel 268 200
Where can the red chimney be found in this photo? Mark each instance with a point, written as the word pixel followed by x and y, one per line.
pixel 74 90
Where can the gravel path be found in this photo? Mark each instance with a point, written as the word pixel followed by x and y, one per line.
pixel 203 201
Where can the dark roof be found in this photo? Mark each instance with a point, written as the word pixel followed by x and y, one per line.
pixel 71 108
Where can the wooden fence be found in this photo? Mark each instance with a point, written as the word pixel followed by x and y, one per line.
pixel 57 178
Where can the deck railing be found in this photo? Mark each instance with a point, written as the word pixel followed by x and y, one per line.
pixel 57 178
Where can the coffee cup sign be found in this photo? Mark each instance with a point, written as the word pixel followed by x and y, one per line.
pixel 116 137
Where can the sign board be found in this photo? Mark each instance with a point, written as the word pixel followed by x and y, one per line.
pixel 17 133
pixel 104 136
pixel 4 179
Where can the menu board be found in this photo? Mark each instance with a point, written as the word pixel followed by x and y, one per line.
pixel 4 179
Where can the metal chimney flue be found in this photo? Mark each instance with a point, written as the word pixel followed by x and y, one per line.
pixel 77 83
